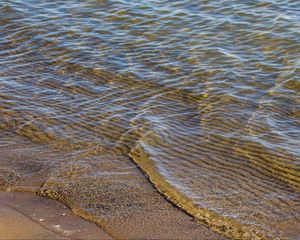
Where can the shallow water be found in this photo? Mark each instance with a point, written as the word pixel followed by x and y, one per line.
pixel 203 96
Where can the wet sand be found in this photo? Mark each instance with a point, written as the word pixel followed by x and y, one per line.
pixel 123 202
pixel 28 216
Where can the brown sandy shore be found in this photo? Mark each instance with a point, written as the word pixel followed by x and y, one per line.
pixel 28 216
pixel 129 207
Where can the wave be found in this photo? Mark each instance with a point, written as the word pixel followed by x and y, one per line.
pixel 213 128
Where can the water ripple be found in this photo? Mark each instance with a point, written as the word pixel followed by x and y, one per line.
pixel 202 95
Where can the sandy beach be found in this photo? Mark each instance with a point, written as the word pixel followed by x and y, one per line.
pixel 28 216
pixel 126 206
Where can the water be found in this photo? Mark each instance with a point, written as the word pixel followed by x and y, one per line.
pixel 203 96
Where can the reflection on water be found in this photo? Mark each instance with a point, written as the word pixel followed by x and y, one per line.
pixel 202 95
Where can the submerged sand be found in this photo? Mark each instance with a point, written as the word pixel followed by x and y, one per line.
pixel 28 216
pixel 123 202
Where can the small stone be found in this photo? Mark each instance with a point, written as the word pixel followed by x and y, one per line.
pixel 41 220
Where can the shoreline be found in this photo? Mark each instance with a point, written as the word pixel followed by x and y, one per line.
pixel 26 215
pixel 124 204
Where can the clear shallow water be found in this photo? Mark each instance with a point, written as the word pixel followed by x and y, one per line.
pixel 202 95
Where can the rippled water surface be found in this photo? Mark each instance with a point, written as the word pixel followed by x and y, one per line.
pixel 203 96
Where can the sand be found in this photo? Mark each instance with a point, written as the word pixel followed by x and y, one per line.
pixel 28 216
pixel 25 215
pixel 122 202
